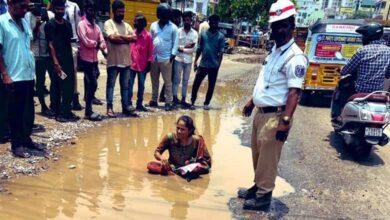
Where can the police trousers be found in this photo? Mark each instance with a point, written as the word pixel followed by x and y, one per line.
pixel 266 150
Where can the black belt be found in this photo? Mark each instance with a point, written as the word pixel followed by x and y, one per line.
pixel 271 109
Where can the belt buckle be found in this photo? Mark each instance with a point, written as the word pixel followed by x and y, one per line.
pixel 279 111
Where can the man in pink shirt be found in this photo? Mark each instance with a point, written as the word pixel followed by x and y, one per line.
pixel 141 56
pixel 91 41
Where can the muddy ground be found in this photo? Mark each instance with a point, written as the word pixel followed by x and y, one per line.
pixel 328 182
pixel 58 134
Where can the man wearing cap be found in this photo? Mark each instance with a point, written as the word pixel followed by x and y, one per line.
pixel 275 97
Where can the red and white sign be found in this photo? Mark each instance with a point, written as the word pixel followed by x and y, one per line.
pixel 327 50
pixel 341 28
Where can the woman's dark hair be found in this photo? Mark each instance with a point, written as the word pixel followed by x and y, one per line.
pixel 187 14
pixel 141 20
pixel 117 4
pixel 189 123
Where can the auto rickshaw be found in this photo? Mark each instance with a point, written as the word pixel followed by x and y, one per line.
pixel 325 39
pixel 228 30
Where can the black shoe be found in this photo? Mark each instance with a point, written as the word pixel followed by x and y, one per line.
pixel 129 111
pixel 94 117
pixel 96 101
pixel 258 203
pixel 168 107
pixel 21 152
pixel 73 117
pixel 76 103
pixel 38 128
pixel 36 146
pixel 176 100
pixel 192 107
pixel 161 99
pixel 62 119
pixel 141 108
pixel 247 193
pixel 185 105
pixel 153 104
pixel 48 113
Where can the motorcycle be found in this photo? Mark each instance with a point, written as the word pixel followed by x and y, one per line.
pixel 363 120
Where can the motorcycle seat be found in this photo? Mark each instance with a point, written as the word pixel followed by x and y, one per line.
pixel 372 98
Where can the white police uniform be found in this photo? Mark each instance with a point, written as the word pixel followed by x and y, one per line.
pixel 284 68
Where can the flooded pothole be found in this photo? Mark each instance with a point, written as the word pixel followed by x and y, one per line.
pixel 104 175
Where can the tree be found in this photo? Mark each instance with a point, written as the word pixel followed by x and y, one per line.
pixel 248 10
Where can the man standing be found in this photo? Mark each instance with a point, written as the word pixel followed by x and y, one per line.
pixel 119 35
pixel 141 57
pixel 91 41
pixel 211 47
pixel 165 41
pixel 176 19
pixel 17 75
pixel 368 74
pixel 4 130
pixel 275 97
pixel 188 39
pixel 59 36
pixel 37 19
pixel 73 15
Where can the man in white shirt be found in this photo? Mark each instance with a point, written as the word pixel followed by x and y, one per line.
pixel 275 97
pixel 188 38
pixel 37 18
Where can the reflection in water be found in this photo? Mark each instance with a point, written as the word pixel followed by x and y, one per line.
pixel 110 180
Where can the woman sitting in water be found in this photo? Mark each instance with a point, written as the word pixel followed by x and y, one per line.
pixel 188 155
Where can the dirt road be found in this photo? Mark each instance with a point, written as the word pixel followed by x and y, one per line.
pixel 101 174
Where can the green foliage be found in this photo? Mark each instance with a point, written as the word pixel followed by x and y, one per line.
pixel 245 10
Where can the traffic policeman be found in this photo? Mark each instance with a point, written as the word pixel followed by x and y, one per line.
pixel 275 97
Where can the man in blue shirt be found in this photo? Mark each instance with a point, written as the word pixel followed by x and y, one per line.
pixel 165 41
pixel 211 46
pixel 17 75
pixel 370 65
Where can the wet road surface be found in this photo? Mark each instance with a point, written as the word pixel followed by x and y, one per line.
pixel 104 175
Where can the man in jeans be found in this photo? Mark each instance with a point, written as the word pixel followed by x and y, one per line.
pixel 37 21
pixel 141 57
pixel 17 75
pixel 211 46
pixel 119 35
pixel 91 41
pixel 188 39
pixel 165 42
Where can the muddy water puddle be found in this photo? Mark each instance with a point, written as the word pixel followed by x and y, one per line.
pixel 104 175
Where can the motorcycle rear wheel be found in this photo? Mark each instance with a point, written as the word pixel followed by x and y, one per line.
pixel 360 149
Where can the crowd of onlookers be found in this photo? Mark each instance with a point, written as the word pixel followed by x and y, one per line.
pixel 55 39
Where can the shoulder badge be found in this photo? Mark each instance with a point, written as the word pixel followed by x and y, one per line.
pixel 299 71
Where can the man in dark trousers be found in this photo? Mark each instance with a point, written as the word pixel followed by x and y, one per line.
pixel 59 35
pixel 211 47
pixel 91 41
pixel 17 75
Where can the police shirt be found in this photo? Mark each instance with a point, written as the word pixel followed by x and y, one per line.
pixel 277 76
